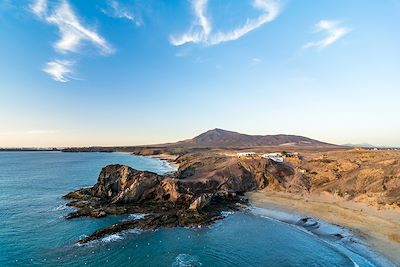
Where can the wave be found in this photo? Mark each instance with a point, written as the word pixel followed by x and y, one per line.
pixel 112 238
pixel 186 260
pixel 137 216
pixel 121 235
pixel 226 213
pixel 63 207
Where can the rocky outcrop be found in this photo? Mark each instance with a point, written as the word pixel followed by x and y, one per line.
pixel 204 185
pixel 122 184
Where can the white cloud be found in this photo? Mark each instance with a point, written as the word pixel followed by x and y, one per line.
pixel 59 70
pixel 116 10
pixel 334 31
pixel 201 30
pixel 39 8
pixel 72 34
pixel 256 60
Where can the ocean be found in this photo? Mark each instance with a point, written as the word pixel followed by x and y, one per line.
pixel 33 231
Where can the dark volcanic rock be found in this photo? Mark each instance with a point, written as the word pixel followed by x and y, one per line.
pixel 204 185
pixel 122 184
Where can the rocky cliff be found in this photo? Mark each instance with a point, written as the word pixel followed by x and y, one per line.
pixel 204 185
pixel 208 183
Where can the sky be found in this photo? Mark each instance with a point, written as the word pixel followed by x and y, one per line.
pixel 132 72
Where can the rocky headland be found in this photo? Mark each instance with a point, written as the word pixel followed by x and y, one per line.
pixel 212 180
pixel 208 183
pixel 196 194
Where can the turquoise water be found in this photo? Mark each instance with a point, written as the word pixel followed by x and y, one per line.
pixel 33 231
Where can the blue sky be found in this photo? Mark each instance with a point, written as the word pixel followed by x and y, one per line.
pixel 115 72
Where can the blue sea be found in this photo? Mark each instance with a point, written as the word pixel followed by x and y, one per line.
pixel 33 231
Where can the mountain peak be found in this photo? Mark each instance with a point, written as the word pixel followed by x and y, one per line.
pixel 223 138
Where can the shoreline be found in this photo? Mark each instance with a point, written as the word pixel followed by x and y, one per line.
pixel 168 158
pixel 378 229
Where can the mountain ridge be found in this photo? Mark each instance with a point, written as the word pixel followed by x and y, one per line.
pixel 224 138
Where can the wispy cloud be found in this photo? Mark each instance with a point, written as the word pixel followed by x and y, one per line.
pixel 334 30
pixel 73 34
pixel 116 10
pixel 201 29
pixel 59 70
pixel 39 8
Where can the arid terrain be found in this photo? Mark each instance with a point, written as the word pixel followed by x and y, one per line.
pixel 353 187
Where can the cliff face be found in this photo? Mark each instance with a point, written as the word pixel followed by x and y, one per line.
pixel 177 199
pixel 372 177
pixel 200 176
pixel 233 174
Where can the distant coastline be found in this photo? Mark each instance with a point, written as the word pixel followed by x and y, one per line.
pixel 28 149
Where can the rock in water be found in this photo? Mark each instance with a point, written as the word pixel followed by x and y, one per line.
pixel 122 184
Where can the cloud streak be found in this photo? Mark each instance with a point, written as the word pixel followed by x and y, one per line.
pixel 73 34
pixel 333 30
pixel 39 8
pixel 201 30
pixel 72 31
pixel 59 70
pixel 116 10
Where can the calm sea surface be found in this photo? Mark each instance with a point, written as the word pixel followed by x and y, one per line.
pixel 34 232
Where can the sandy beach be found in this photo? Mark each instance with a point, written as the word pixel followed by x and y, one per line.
pixel 378 228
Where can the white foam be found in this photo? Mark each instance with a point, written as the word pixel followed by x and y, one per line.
pixel 61 207
pixel 134 231
pixel 186 260
pixel 226 213
pixel 112 238
pixel 137 216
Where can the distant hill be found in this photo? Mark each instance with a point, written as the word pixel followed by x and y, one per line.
pixel 216 138
pixel 224 138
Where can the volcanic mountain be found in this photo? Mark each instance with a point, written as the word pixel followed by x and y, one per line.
pixel 215 138
pixel 223 138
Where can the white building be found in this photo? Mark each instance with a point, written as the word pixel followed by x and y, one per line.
pixel 246 154
pixel 277 157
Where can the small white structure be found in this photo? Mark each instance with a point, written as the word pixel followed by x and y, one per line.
pixel 277 157
pixel 246 154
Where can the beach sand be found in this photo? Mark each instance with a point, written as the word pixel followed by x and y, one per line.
pixel 378 228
